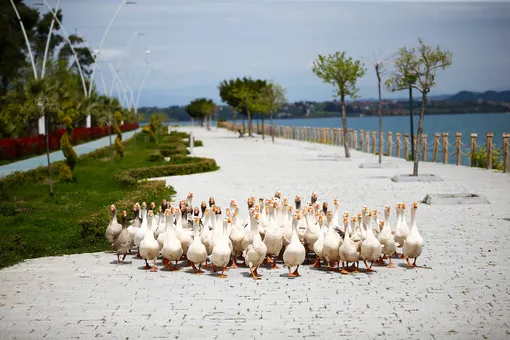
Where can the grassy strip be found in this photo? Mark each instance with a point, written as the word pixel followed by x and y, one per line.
pixel 33 225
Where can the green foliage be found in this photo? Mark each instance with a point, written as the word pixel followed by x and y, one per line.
pixel 119 148
pixel 66 146
pixel 417 67
pixel 155 157
pixel 192 166
pixel 200 108
pixel 65 174
pixel 479 157
pixel 92 227
pixel 341 71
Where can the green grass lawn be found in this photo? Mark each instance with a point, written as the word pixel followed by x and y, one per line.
pixel 33 225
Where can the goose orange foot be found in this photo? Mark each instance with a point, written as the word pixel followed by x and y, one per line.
pixel 343 271
pixel 234 265
pixel 154 269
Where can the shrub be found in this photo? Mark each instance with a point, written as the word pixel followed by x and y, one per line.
pixel 119 148
pixel 198 143
pixel 93 226
pixel 65 144
pixel 18 178
pixel 64 173
pixel 155 158
pixel 188 167
pixel 479 156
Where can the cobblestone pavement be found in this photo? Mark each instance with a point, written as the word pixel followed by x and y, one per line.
pixel 461 292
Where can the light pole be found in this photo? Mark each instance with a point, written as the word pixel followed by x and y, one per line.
pixel 124 2
pixel 119 63
pixel 26 39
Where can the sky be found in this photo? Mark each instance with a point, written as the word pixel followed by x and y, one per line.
pixel 195 44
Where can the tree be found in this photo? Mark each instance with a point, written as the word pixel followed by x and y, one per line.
pixel 201 109
pixel 341 72
pixel 274 96
pixel 417 68
pixel 12 43
pixel 380 68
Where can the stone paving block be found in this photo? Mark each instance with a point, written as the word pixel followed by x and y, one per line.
pixel 455 199
pixel 383 165
pixel 404 178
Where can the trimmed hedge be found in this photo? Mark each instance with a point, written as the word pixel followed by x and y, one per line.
pixel 32 176
pixel 92 227
pixel 187 167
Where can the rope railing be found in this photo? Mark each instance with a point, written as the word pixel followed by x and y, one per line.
pixel 395 144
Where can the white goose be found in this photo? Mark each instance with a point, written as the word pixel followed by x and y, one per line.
pixel 413 244
pixel 386 238
pixel 149 247
pixel 331 245
pixel 318 246
pixel 348 251
pixel 313 230
pixel 182 234
pixel 402 230
pixel 114 227
pixel 294 254
pixel 220 255
pixel 140 233
pixel 172 249
pixel 370 247
pixel 273 238
pixel 236 236
pixel 256 252
pixel 196 254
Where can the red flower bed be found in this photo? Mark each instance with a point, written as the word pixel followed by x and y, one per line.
pixel 17 148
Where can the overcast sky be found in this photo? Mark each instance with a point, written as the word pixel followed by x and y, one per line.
pixel 194 44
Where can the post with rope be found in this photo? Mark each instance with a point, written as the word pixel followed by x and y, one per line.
pixel 374 142
pixel 397 136
pixel 406 146
pixel 458 136
pixel 445 147
pixel 473 149
pixel 390 144
pixel 361 135
pixel 381 140
pixel 489 150
pixel 505 152
pixel 435 147
pixel 424 147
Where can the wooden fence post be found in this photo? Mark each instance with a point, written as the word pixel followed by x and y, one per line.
pixel 436 147
pixel 489 150
pixel 424 147
pixel 406 146
pixel 505 152
pixel 374 137
pixel 473 148
pixel 367 140
pixel 458 150
pixel 397 136
pixel 445 147
pixel 350 139
pixel 381 136
pixel 390 144
pixel 361 135
pixel 355 139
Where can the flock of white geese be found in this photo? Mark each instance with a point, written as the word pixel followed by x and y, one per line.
pixel 205 234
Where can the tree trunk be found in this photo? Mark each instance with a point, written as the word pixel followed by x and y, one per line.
pixel 344 126
pixel 244 128
pixel 110 138
pixel 272 125
pixel 379 111
pixel 250 127
pixel 201 122
pixel 263 127
pixel 47 126
pixel 234 119
pixel 420 132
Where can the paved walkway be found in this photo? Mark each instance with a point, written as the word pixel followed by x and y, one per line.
pixel 463 293
pixel 34 162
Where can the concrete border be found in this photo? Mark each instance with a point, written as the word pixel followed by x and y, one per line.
pixel 455 199
pixel 383 165
pixel 406 178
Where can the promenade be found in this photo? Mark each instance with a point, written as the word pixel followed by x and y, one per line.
pixel 461 291
pixel 34 162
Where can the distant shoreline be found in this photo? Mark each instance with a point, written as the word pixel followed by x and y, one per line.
pixel 391 115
